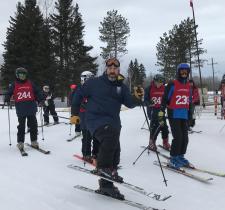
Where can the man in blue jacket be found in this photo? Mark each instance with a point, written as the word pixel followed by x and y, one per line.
pixel 105 95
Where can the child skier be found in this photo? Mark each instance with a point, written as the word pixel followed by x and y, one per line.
pixel 177 98
pixel 153 99
pixel 49 106
pixel 26 96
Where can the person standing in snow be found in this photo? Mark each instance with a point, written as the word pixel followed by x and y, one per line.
pixel 49 106
pixel 73 90
pixel 222 96
pixel 153 99
pixel 176 98
pixel 105 95
pixel 26 96
pixel 194 102
pixel 89 154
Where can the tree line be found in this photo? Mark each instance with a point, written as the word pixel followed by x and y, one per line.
pixel 52 47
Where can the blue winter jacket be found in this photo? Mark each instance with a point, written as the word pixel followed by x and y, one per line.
pixel 104 102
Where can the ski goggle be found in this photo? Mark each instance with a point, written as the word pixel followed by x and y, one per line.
pixel 112 62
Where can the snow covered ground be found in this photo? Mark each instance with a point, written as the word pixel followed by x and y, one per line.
pixel 44 182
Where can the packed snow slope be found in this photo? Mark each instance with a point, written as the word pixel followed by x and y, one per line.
pixel 45 182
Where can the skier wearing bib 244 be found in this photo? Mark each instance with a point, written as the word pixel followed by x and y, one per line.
pixel 153 99
pixel 26 96
pixel 177 98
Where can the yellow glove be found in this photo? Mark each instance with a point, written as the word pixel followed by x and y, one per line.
pixel 75 120
pixel 161 118
pixel 138 92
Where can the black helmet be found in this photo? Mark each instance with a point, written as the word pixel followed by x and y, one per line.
pixel 21 73
pixel 159 78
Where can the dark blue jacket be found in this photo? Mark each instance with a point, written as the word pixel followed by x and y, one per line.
pixel 104 102
pixel 26 108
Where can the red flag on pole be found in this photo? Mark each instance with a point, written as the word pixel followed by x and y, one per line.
pixel 191 3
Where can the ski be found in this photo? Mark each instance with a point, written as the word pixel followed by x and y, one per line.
pixel 183 172
pixel 22 152
pixel 73 138
pixel 46 152
pixel 193 131
pixel 159 153
pixel 125 184
pixel 127 202
pixel 191 166
pixel 161 146
pixel 82 159
pixel 94 163
pixel 51 124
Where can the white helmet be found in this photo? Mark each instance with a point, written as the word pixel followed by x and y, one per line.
pixel 85 76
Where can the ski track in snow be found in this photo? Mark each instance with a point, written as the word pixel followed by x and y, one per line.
pixel 44 182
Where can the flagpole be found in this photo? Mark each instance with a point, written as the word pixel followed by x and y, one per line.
pixel 199 65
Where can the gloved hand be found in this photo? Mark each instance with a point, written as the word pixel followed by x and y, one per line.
pixel 138 92
pixel 75 120
pixel 151 103
pixel 161 118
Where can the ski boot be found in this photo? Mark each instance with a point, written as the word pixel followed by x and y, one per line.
pixel 88 158
pixel 183 161
pixel 35 144
pixel 107 188
pixel 116 176
pixel 166 144
pixel 108 173
pixel 94 160
pixel 46 123
pixel 20 145
pixel 174 162
pixel 152 145
pixel 56 122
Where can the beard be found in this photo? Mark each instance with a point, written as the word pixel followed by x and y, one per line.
pixel 112 77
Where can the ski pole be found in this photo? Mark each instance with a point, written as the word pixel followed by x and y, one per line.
pixel 42 125
pixel 165 181
pixel 10 142
pixel 67 118
pixel 222 129
pixel 142 127
pixel 147 146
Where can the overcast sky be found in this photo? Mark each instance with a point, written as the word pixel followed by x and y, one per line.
pixel 148 20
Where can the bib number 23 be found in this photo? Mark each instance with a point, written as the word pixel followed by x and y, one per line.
pixel 182 100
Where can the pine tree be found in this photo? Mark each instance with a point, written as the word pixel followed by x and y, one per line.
pixel 136 74
pixel 25 44
pixel 178 46
pixel 114 32
pixel 69 49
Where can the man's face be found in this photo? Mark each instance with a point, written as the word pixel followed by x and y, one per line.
pixel 112 72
